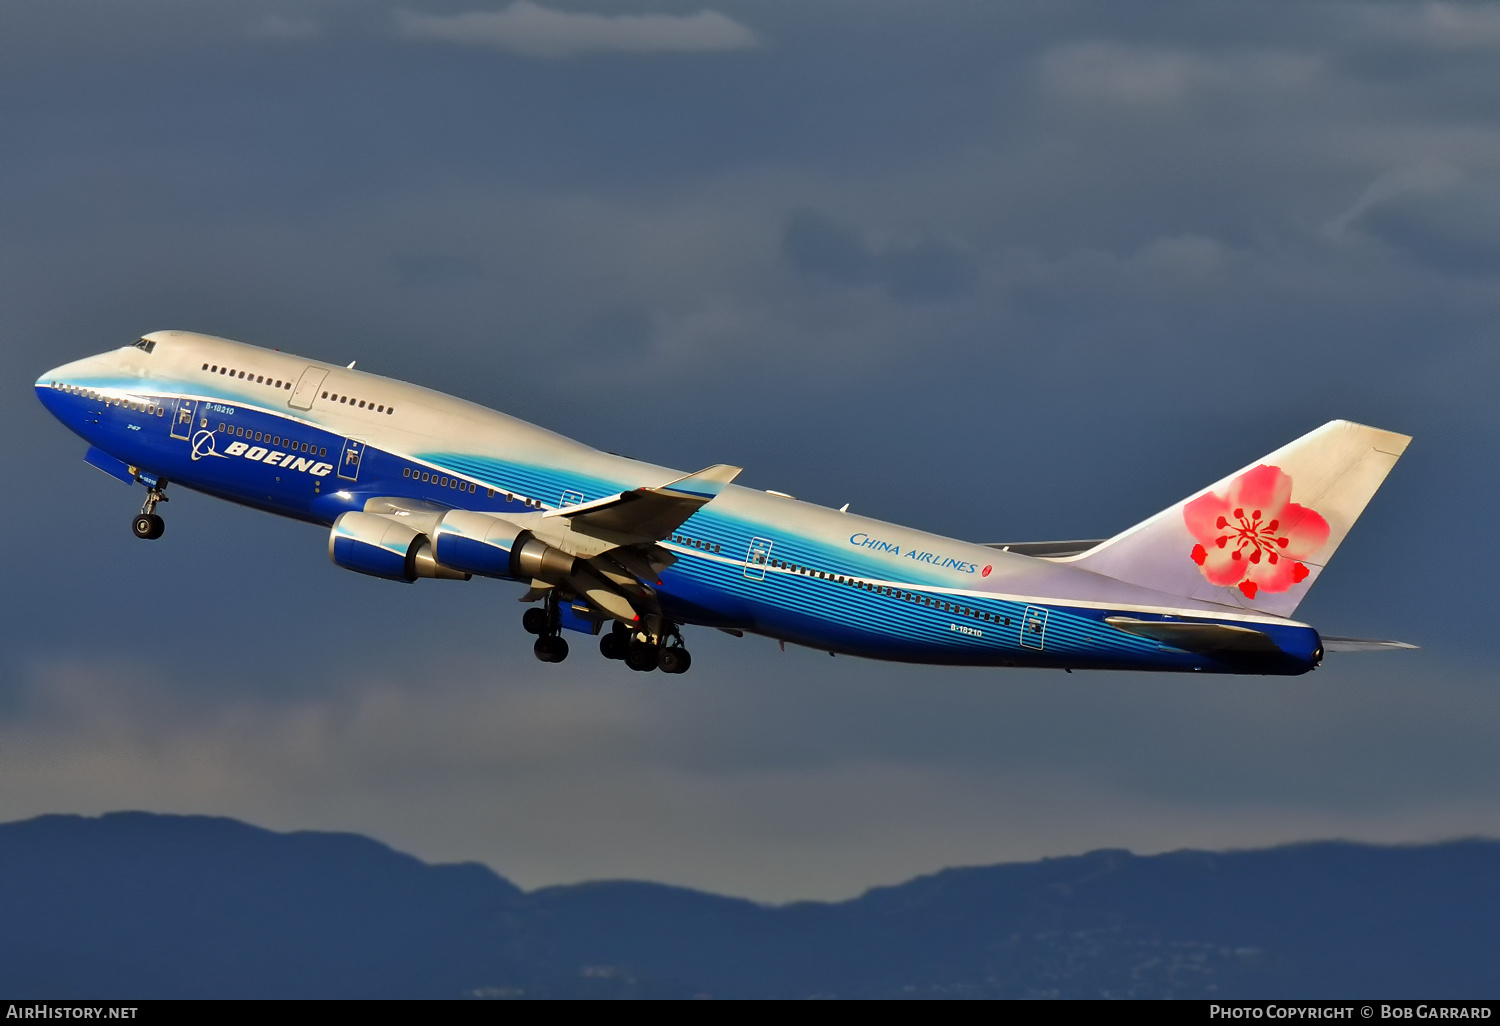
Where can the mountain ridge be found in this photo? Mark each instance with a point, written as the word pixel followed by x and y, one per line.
pixel 135 904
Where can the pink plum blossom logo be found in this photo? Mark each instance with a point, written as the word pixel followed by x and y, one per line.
pixel 1253 536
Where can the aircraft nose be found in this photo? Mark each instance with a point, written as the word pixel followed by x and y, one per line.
pixel 70 373
pixel 49 386
pixel 51 378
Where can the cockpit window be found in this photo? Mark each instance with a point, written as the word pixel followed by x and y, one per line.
pixel 145 344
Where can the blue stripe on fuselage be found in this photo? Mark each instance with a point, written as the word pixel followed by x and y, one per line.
pixel 866 613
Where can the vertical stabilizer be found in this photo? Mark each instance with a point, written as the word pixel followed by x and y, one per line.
pixel 1260 537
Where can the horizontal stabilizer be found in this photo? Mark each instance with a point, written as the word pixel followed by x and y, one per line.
pixel 648 514
pixel 1207 638
pixel 1052 549
pixel 1364 645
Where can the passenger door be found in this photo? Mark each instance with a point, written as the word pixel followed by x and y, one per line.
pixel 1034 628
pixel 354 451
pixel 757 557
pixel 182 420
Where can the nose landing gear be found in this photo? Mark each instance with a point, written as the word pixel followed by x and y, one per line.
pixel 147 524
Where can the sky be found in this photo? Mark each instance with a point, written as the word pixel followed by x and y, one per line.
pixel 1004 271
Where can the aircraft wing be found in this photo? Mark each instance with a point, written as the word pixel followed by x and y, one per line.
pixel 1198 636
pixel 1053 549
pixel 1226 639
pixel 647 514
pixel 1363 645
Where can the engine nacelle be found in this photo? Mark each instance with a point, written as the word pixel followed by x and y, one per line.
pixel 382 547
pixel 492 547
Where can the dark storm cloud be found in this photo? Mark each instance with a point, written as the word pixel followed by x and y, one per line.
pixel 1440 218
pixel 536 31
pixel 1002 271
pixel 820 245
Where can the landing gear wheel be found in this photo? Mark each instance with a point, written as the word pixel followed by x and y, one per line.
pixel 148 526
pixel 613 645
pixel 641 657
pixel 675 660
pixel 551 649
pixel 534 620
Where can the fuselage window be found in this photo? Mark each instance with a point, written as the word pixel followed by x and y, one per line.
pixel 406 472
pixel 322 452
pixel 424 475
pixel 260 379
pixel 491 494
pixel 325 395
pixel 390 410
pixel 221 427
pixel 380 409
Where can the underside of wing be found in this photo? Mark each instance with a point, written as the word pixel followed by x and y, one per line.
pixel 1054 549
pixel 1207 638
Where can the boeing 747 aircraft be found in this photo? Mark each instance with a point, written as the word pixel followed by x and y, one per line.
pixel 412 483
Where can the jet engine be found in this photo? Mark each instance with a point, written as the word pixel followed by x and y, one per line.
pixel 491 547
pixel 382 547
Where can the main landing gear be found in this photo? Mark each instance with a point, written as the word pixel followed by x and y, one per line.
pixel 644 652
pixel 543 622
pixel 147 524
pixel 638 648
